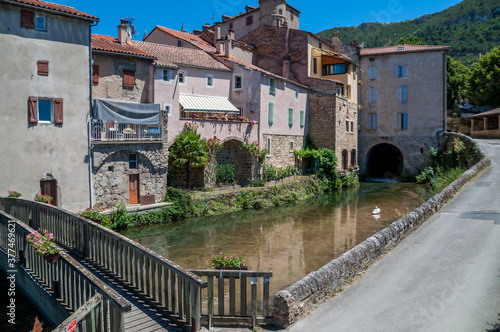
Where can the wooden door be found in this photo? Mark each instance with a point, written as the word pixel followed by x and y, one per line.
pixel 133 186
pixel 49 187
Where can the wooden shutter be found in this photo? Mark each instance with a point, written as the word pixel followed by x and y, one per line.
pixel 404 71
pixel 290 117
pixel 43 68
pixel 33 110
pixel 372 73
pixel 95 74
pixel 27 19
pixel 58 111
pixel 400 94
pixel 404 93
pixel 128 78
pixel 271 113
pixel 302 118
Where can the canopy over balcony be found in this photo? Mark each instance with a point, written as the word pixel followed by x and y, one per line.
pixel 207 104
pixel 129 113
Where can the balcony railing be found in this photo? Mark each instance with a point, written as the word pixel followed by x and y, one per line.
pixel 105 131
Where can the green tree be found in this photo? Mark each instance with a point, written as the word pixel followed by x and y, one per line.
pixel 189 150
pixel 327 168
pixel 410 40
pixel 484 82
pixel 457 75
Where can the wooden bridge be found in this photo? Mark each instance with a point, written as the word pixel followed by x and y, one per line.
pixel 106 282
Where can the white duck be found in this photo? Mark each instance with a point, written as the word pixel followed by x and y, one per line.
pixel 376 210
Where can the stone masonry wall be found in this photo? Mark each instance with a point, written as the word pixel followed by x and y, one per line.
pixel 282 147
pixel 297 300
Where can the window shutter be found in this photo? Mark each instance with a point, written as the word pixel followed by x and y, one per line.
pixel 405 71
pixel 372 73
pixel 95 74
pixel 396 70
pixel 27 19
pixel 58 111
pixel 400 94
pixel 404 121
pixel 128 78
pixel 404 93
pixel 302 118
pixel 43 68
pixel 374 95
pixel 271 113
pixel 290 117
pixel 33 110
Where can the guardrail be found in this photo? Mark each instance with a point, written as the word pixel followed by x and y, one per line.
pixel 87 317
pixel 67 280
pixel 106 131
pixel 166 286
pixel 238 309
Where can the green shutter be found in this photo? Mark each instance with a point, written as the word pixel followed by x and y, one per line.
pixel 270 116
pixel 290 117
pixel 302 118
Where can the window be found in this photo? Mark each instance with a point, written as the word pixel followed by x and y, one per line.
pixel 347 126
pixel 372 121
pixel 45 110
pixel 339 68
pixel 403 121
pixel 240 108
pixel 238 82
pixel 182 77
pixel 315 65
pixel 249 20
pixel 128 78
pixel 291 146
pixel 95 74
pixel 290 116
pixel 372 72
pixel 179 43
pixel 30 20
pixel 166 75
pixel 132 160
pixel 231 26
pixel 302 118
pixel 372 95
pixel 49 187
pixel 43 68
pixel 296 93
pixel 402 94
pixel 268 146
pixel 400 71
pixel 111 168
pixel 352 126
pixel 272 86
pixel 168 109
pixel 353 158
pixel 210 80
pixel 270 114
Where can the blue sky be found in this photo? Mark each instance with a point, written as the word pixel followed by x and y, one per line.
pixel 315 16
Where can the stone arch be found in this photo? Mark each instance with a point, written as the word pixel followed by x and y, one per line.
pixel 384 160
pixel 232 152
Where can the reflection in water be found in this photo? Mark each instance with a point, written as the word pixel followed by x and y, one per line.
pixel 291 241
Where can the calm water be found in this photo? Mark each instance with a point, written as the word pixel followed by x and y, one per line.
pixel 291 241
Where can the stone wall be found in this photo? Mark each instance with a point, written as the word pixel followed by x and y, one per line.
pixel 282 147
pixel 297 300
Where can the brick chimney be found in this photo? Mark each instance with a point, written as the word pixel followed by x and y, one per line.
pixel 219 46
pixel 124 33
pixel 336 42
pixel 228 47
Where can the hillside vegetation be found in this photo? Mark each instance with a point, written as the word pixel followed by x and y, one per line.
pixel 470 27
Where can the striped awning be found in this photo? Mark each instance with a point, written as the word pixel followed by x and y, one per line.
pixel 194 103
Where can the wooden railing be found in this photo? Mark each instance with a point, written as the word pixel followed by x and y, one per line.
pixel 67 280
pixel 247 307
pixel 166 286
pixel 86 318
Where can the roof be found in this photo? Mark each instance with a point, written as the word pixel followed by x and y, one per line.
pixel 404 48
pixel 173 56
pixel 195 103
pixel 111 44
pixel 188 37
pixel 493 112
pixel 55 7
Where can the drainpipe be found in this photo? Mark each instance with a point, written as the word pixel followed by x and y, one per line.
pixel 89 130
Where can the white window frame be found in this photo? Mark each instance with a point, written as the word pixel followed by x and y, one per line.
pixel 51 103
pixel 184 74
pixel 44 28
pixel 291 146
pixel 234 81
pixel 372 121
pixel 168 108
pixel 213 81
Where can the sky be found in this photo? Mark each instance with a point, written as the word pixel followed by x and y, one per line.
pixel 315 16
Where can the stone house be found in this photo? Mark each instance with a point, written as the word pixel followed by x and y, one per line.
pixel 46 102
pixel 403 98
pixel 129 132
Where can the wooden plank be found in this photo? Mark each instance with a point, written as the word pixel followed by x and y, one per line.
pixel 232 273
pixel 210 296
pixel 220 296
pixel 243 296
pixel 154 290
pixel 172 292
pixel 253 285
pixel 166 286
pixel 147 270
pixel 180 297
pixel 187 301
pixel 265 300
pixel 195 307
pixel 232 296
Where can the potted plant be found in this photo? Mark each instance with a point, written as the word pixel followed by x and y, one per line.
pixel 43 198
pixel 224 262
pixel 13 193
pixel 93 214
pixel 240 118
pixel 44 245
pixel 230 117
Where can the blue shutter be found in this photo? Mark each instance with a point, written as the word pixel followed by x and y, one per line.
pixel 405 120
pixel 404 93
pixel 396 70
pixel 404 71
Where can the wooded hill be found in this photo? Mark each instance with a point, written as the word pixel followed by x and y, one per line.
pixel 470 27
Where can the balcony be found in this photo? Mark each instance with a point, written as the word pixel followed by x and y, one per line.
pixel 109 131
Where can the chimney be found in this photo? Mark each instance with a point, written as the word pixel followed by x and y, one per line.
pixel 356 43
pixel 335 42
pixel 124 33
pixel 228 47
pixel 219 46
pixel 182 28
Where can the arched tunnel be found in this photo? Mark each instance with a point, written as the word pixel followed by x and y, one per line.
pixel 384 161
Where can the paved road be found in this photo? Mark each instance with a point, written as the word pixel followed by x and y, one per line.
pixel 443 277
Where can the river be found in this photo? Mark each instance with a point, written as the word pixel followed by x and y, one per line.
pixel 292 241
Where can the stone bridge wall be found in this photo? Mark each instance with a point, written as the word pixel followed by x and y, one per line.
pixel 297 300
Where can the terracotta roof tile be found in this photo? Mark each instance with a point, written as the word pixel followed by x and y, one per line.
pixel 172 56
pixel 403 49
pixel 188 37
pixel 111 44
pixel 56 7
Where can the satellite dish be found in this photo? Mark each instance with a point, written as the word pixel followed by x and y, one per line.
pixel 133 30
